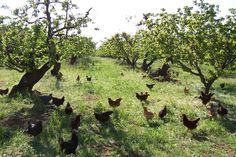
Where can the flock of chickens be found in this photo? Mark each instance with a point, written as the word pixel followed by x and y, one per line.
pixel 69 146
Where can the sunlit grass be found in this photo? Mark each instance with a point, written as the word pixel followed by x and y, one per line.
pixel 128 133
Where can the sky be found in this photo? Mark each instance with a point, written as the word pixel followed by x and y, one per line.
pixel 111 16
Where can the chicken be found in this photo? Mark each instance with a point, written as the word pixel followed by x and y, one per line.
pixel 45 98
pixel 69 147
pixel 103 117
pixel 150 86
pixel 59 76
pixel 4 91
pixel 221 110
pixel 142 96
pixel 68 109
pixel 75 123
pixel 163 113
pixel 78 78
pixel 222 85
pixel 205 97
pixel 190 124
pixel 212 112
pixel 149 115
pixel 34 129
pixel 58 101
pixel 186 90
pixel 89 78
pixel 114 103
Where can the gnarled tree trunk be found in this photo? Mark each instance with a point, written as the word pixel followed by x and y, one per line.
pixel 29 79
pixel 147 66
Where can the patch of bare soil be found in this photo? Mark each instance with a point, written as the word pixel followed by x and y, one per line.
pixel 2 83
pixel 89 97
pixel 22 120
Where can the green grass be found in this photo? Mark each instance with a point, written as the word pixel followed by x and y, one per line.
pixel 128 133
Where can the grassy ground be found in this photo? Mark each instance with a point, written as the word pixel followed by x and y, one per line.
pixel 128 133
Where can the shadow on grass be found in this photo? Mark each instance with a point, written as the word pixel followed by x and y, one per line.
pixel 228 89
pixel 229 121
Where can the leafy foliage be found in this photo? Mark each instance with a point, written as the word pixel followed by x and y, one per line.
pixel 30 36
pixel 122 45
pixel 78 46
pixel 195 37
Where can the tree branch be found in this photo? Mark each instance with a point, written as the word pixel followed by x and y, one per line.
pixel 187 69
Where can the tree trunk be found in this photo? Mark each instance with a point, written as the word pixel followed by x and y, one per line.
pixel 29 79
pixel 56 68
pixel 208 85
pixel 146 66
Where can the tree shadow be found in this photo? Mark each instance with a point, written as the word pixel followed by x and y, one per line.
pixel 229 89
pixel 201 137
pixel 229 121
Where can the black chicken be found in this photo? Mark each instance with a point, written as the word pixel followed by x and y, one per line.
pixel 45 98
pixel 221 110
pixel 68 109
pixel 114 103
pixel 205 97
pixel 69 147
pixel 89 78
pixel 142 96
pixel 58 101
pixel 190 124
pixel 59 76
pixel 34 129
pixel 78 78
pixel 75 123
pixel 103 117
pixel 150 86
pixel 163 112
pixel 4 91
pixel 222 85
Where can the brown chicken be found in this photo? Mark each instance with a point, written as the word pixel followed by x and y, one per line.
pixel 186 90
pixel 58 101
pixel 221 110
pixel 190 124
pixel 163 113
pixel 149 115
pixel 4 91
pixel 69 147
pixel 114 103
pixel 75 123
pixel 205 97
pixel 212 112
pixel 142 96
pixel 89 78
pixel 104 116
pixel 68 109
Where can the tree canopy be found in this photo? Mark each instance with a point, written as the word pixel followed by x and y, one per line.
pixel 196 37
pixel 30 37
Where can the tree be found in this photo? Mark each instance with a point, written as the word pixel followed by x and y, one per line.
pixel 198 40
pixel 32 35
pixel 77 47
pixel 124 46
